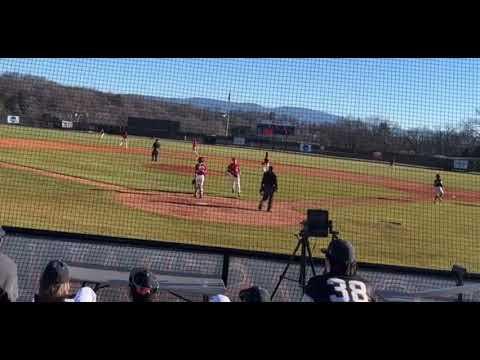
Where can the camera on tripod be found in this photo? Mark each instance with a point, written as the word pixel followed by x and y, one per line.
pixel 317 224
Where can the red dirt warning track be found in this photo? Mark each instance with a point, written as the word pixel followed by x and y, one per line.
pixel 229 210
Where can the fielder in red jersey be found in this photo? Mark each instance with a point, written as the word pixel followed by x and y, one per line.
pixel 233 170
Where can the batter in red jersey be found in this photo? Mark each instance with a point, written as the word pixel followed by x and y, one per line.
pixel 233 171
pixel 200 173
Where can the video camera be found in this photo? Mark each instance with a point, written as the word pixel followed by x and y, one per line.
pixel 317 224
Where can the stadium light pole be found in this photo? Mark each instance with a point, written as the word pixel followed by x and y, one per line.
pixel 228 114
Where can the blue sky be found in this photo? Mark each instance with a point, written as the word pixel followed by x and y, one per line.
pixel 412 92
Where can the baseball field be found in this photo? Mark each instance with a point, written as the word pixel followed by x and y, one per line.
pixel 78 182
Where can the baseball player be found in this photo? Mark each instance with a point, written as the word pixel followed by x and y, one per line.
pixel 155 150
pixel 392 162
pixel 438 188
pixel 124 139
pixel 268 187
pixel 233 171
pixel 200 173
pixel 194 146
pixel 340 282
pixel 265 163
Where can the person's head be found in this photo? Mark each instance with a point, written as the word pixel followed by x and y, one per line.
pixel 234 160
pixel 254 294
pixel 219 298
pixel 340 258
pixel 201 159
pixel 437 176
pixel 270 168
pixel 143 285
pixel 55 282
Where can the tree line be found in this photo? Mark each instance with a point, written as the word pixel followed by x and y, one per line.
pixel 43 100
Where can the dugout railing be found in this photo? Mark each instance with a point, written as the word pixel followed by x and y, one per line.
pixel 32 249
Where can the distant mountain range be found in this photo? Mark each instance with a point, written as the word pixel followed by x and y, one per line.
pixel 301 114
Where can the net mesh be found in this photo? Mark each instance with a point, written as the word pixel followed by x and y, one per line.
pixel 361 138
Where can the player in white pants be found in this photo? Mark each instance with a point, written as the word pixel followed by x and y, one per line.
pixel 233 172
pixel 124 139
pixel 265 163
pixel 200 173
pixel 438 187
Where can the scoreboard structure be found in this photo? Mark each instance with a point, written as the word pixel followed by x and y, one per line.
pixel 153 127
pixel 275 129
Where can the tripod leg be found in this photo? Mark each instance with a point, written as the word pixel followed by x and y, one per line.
pixel 310 258
pixel 303 273
pixel 285 270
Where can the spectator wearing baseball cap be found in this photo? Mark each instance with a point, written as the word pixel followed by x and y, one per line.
pixel 254 294
pixel 55 286
pixel 8 276
pixel 143 285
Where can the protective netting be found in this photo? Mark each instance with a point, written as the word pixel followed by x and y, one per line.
pixel 361 138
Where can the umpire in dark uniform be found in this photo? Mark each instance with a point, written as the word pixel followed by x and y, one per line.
pixel 268 187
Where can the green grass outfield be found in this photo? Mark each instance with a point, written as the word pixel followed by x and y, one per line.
pixel 429 236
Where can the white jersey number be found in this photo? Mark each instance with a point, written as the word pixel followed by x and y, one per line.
pixel 356 291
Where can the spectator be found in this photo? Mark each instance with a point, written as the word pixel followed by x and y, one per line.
pixel 340 282
pixel 8 276
pixel 254 294
pixel 219 298
pixel 55 286
pixel 143 285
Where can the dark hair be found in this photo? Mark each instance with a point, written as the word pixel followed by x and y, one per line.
pixel 254 294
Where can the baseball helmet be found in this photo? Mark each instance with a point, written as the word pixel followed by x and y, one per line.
pixel 142 281
pixel 341 254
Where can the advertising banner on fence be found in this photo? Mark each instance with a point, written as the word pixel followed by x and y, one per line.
pixel 460 164
pixel 67 124
pixel 305 147
pixel 239 141
pixel 11 119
